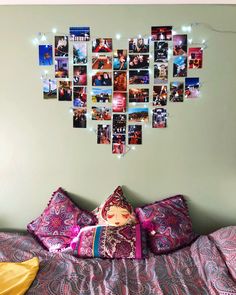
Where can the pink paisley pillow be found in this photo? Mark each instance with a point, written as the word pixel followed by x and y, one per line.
pixel 168 224
pixel 53 227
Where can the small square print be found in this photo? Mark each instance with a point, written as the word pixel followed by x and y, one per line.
pixel 138 95
pixel 103 134
pixel 80 97
pixel 119 123
pixel 118 144
pixel 80 75
pixel 101 113
pixel 120 80
pixel 161 73
pixel 102 79
pixel 159 118
pixel 101 62
pixel 61 46
pixel 135 134
pixel 160 95
pixel 102 45
pixel 176 91
pixel 139 77
pixel 138 115
pixel 80 118
pixel 139 45
pixel 161 51
pixel 161 33
pixel 180 45
pixel 80 55
pixel 103 95
pixel 120 60
pixel 195 58
pixel 119 102
pixel 138 61
pixel 49 88
pixel 65 91
pixel 79 33
pixel 61 67
pixel 45 55
pixel 192 88
pixel 180 66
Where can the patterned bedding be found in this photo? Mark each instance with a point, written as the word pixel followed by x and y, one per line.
pixel 208 266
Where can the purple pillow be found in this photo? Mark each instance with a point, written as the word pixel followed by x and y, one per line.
pixel 168 224
pixel 53 227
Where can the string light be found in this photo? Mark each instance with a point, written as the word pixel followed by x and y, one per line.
pixel 54 30
pixel 118 36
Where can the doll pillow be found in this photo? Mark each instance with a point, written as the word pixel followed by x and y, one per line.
pixel 53 227
pixel 116 210
pixel 168 224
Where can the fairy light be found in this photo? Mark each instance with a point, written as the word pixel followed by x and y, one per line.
pixel 35 41
pixel 118 36
pixel 54 30
pixel 43 38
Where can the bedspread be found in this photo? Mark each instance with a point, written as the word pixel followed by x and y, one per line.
pixel 208 266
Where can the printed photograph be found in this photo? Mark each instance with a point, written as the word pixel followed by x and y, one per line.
pixel 119 123
pixel 80 118
pixel 101 113
pixel 139 77
pixel 176 91
pixel 138 114
pixel 180 43
pixel 161 33
pixel 79 33
pixel 138 61
pixel 102 79
pixel 101 62
pixel 61 46
pixel 139 45
pixel 120 60
pixel 120 80
pixel 79 97
pixel 119 102
pixel 135 134
pixel 161 51
pixel 49 88
pixel 103 134
pixel 80 75
pixel 103 95
pixel 180 66
pixel 45 55
pixel 80 55
pixel 192 87
pixel 161 73
pixel 65 91
pixel 159 118
pixel 138 95
pixel 160 95
pixel 195 56
pixel 118 144
pixel 102 45
pixel 61 67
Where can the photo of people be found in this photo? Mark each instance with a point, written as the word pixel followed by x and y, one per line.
pixel 79 33
pixel 49 88
pixel 45 55
pixel 79 97
pixel 176 91
pixel 118 144
pixel 65 91
pixel 161 73
pixel 180 66
pixel 161 33
pixel 180 43
pixel 135 134
pixel 138 61
pixel 102 45
pixel 101 95
pixel 138 114
pixel 120 60
pixel 61 46
pixel 159 118
pixel 102 79
pixel 80 75
pixel 192 88
pixel 119 102
pixel 119 123
pixel 103 134
pixel 61 67
pixel 160 95
pixel 139 45
pixel 139 77
pixel 195 56
pixel 101 62
pixel 101 113
pixel 138 95
pixel 80 53
pixel 120 80
pixel 161 51
pixel 80 118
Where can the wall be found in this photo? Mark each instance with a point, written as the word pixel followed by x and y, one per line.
pixel 39 149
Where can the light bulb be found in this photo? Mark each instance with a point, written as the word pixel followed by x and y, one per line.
pixel 54 30
pixel 118 36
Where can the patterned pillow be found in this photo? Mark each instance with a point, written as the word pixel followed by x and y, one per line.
pixel 168 224
pixel 116 210
pixel 53 227
pixel 110 242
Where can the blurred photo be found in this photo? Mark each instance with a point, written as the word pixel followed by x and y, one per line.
pixel 80 118
pixel 101 62
pixel 119 124
pixel 176 91
pixel 195 56
pixel 80 75
pixel 180 45
pixel 80 53
pixel 45 55
pixel 161 33
pixel 137 61
pixel 61 46
pixel 159 118
pixel 120 80
pixel 139 77
pixel 79 33
pixel 160 95
pixel 139 45
pixel 119 102
pixel 102 45
pixel 135 134
pixel 118 144
pixel 138 114
pixel 138 95
pixel 49 88
pixel 101 113
pixel 79 97
pixel 65 91
pixel 161 73
pixel 192 87
pixel 61 67
pixel 180 66
pixel 161 51
pixel 101 95
pixel 102 79
pixel 120 60
pixel 103 134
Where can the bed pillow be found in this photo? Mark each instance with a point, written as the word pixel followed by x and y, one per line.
pixel 110 242
pixel 116 210
pixel 53 227
pixel 168 224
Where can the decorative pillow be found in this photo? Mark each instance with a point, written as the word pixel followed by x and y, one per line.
pixel 168 224
pixel 110 242
pixel 116 210
pixel 53 227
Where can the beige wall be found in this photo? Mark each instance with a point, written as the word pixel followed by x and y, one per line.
pixel 39 149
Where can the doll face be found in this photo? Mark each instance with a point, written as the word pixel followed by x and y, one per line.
pixel 117 216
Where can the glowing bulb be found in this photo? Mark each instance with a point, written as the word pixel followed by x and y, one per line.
pixel 133 148
pixel 203 41
pixel 90 129
pixel 35 41
pixel 190 41
pixel 45 72
pixel 43 38
pixel 174 32
pixel 118 36
pixel 119 156
pixel 54 30
pixel 140 36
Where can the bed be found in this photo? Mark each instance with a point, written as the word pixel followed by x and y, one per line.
pixel 207 266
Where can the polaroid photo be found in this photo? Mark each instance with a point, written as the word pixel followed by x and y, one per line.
pixel 102 79
pixel 161 73
pixel 192 88
pixel 119 102
pixel 180 66
pixel 160 95
pixel 65 91
pixel 138 61
pixel 102 45
pixel 101 113
pixel 138 115
pixel 139 45
pixel 79 33
pixel 139 77
pixel 159 118
pixel 118 144
pixel 61 67
pixel 176 91
pixel 161 33
pixel 49 88
pixel 195 58
pixel 161 51
pixel 180 44
pixel 103 95
pixel 138 95
pixel 135 134
pixel 120 60
pixel 80 54
pixel 101 62
pixel 119 123
pixel 80 75
pixel 45 55
pixel 120 80
pixel 61 46
pixel 79 97
pixel 80 118
pixel 103 134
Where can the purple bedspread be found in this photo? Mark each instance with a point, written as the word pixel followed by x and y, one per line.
pixel 208 266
